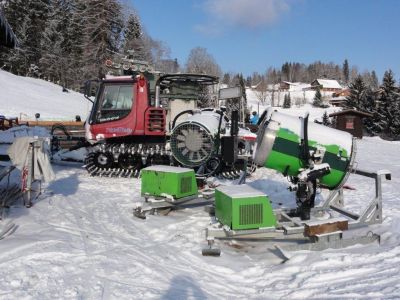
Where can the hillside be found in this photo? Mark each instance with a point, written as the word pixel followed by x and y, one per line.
pixel 22 97
pixel 304 104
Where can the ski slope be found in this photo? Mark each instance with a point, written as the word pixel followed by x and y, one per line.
pixel 80 240
pixel 23 97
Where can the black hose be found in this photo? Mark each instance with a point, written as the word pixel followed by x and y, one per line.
pixel 189 111
pixel 61 127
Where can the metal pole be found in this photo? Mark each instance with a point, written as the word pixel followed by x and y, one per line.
pixel 28 202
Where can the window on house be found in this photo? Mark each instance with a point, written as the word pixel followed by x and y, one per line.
pixel 349 122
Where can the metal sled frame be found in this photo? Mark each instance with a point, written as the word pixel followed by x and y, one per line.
pixel 163 205
pixel 291 229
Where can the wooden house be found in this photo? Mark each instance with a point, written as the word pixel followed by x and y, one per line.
pixel 326 85
pixel 350 120
pixel 342 93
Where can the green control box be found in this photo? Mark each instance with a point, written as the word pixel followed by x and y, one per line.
pixel 160 181
pixel 243 207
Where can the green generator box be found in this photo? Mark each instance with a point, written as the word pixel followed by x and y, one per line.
pixel 243 207
pixel 177 182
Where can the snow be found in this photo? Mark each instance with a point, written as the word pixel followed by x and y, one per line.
pixel 305 98
pixel 80 240
pixel 168 169
pixel 329 84
pixel 240 191
pixel 8 136
pixel 22 97
pixel 323 135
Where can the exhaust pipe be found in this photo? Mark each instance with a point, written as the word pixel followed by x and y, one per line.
pixel 157 98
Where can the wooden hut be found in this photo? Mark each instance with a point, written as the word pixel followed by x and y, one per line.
pixel 350 120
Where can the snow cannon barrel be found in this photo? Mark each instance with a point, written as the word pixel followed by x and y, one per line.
pixel 279 147
pixel 194 141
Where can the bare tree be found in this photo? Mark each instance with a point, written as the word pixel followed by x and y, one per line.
pixel 200 61
pixel 261 91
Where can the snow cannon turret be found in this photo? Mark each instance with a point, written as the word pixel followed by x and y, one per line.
pixel 310 154
pixel 195 141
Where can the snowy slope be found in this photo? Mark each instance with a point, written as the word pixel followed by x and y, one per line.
pixel 25 96
pixel 80 241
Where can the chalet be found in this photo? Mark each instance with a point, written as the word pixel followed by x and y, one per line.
pixel 287 86
pixel 7 36
pixel 350 120
pixel 337 101
pixel 326 85
pixel 342 93
pixel 339 97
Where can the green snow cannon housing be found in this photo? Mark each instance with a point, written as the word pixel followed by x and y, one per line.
pixel 279 147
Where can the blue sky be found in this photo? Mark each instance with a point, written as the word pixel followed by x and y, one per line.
pixel 252 35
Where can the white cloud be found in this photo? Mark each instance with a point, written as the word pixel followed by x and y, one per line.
pixel 250 14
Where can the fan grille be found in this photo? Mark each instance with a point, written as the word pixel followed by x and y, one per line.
pixel 191 144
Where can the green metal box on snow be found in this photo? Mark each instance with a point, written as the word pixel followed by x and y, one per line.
pixel 243 207
pixel 159 181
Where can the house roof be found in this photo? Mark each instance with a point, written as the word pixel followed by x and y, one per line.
pixel 7 36
pixel 351 112
pixel 328 83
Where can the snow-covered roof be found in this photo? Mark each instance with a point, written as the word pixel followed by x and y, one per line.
pixel 328 83
pixel 290 83
pixel 7 36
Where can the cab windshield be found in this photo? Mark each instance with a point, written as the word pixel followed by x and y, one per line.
pixel 115 102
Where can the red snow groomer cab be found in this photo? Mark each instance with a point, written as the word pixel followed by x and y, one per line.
pixel 126 126
pixel 123 110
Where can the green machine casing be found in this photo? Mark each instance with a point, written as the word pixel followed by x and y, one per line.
pixel 243 207
pixel 160 181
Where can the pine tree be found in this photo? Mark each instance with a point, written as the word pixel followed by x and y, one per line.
pixel 104 24
pixel 78 39
pixel 56 44
pixel 357 93
pixel 226 79
pixel 374 81
pixel 346 71
pixel 369 105
pixel 317 98
pixel 133 38
pixel 388 109
pixel 17 16
pixel 325 119
pixel 287 103
pixel 38 11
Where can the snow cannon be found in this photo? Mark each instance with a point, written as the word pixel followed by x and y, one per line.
pixel 196 140
pixel 310 154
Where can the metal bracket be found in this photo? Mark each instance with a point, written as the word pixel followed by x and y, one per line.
pixel 372 213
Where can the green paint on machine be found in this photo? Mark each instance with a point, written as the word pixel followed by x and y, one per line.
pixel 285 157
pixel 177 182
pixel 242 207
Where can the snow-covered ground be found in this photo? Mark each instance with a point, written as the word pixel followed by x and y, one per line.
pixel 80 241
pixel 22 97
